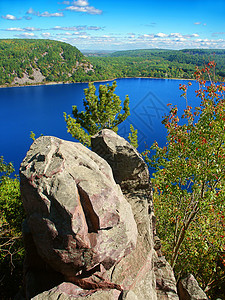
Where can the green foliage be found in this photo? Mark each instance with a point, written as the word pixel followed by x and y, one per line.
pixel 5 169
pixel 103 111
pixel 61 62
pixel 32 135
pixel 57 61
pixel 156 63
pixel 133 138
pixel 11 245
pixel 189 186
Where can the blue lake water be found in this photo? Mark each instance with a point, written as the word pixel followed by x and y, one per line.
pixel 40 109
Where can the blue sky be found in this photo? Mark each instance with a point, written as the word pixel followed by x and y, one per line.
pixel 117 25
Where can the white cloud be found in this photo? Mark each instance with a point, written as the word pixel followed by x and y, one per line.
pixel 146 36
pixel 31 11
pixel 82 6
pixel 84 37
pixel 10 17
pixel 31 29
pixel 193 35
pixel 160 34
pixel 163 38
pixel 85 9
pixel 73 28
pixel 132 41
pixel 94 28
pixel 58 28
pixel 65 33
pixel 47 14
pixel 26 35
pixel 44 14
pixel 14 29
pixel 176 34
pixel 77 28
pixel 46 34
pixel 23 29
pixel 81 3
pixel 76 3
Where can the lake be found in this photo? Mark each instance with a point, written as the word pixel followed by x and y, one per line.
pixel 40 109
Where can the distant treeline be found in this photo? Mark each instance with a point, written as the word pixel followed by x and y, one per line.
pixel 60 62
pixel 158 63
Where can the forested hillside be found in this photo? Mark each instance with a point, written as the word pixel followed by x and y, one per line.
pixel 158 63
pixel 35 61
pixel 29 61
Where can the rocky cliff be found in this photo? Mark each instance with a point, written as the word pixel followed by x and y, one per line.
pixel 90 226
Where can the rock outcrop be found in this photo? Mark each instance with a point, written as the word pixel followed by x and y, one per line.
pixel 90 227
pixel 150 277
pixel 188 289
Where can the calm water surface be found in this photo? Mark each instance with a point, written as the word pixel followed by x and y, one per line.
pixel 40 109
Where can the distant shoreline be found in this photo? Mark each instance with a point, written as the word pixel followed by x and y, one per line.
pixel 105 80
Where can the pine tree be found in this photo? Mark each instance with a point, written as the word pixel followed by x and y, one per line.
pixel 103 111
pixel 133 138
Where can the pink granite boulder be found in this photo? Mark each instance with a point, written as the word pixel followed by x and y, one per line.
pixel 76 213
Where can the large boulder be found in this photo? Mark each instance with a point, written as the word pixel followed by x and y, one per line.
pixel 78 218
pixel 90 223
pixel 144 270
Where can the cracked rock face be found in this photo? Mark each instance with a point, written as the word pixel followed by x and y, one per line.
pixel 128 166
pixel 76 213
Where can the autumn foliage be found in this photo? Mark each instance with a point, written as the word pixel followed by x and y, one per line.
pixel 189 185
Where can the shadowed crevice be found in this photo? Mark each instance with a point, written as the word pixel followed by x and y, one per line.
pixel 91 217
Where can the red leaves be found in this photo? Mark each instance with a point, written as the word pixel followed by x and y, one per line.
pixel 212 64
pixel 204 141
pixel 183 87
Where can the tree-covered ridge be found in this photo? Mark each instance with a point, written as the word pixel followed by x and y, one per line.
pixel 32 61
pixel 158 63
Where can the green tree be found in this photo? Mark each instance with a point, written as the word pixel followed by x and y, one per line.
pixel 132 137
pixel 103 111
pixel 11 245
pixel 189 186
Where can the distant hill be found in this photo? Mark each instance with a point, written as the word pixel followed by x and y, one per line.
pixel 29 61
pixel 159 63
pixel 36 61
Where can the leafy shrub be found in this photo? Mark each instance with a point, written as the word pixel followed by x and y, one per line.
pixel 11 245
pixel 189 186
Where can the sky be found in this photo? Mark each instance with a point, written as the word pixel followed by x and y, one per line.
pixel 117 25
